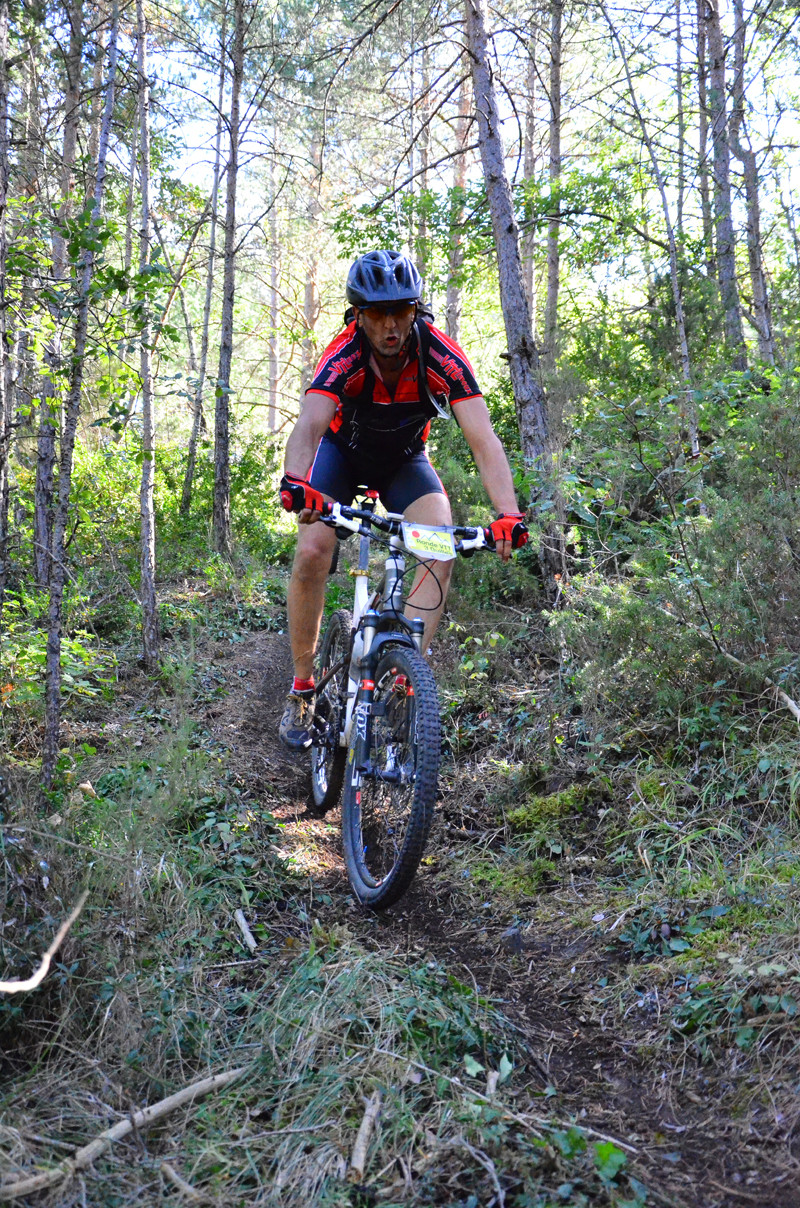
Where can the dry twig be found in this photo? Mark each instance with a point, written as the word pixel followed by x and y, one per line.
pixel 358 1161
pixel 30 983
pixel 241 923
pixel 142 1119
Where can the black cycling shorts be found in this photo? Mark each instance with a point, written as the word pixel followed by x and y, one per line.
pixel 336 475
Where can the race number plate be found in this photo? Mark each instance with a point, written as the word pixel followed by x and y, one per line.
pixel 427 541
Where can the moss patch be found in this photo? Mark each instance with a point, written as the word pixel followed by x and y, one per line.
pixel 537 810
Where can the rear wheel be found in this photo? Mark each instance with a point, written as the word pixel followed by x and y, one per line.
pixel 391 780
pixel 327 756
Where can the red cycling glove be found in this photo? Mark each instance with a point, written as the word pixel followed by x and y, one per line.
pixel 297 494
pixel 509 526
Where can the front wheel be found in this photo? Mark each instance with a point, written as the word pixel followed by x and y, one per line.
pixel 327 755
pixel 391 779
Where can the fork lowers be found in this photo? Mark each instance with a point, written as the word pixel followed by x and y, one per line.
pixel 391 777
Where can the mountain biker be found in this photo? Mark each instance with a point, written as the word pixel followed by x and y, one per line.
pixel 364 421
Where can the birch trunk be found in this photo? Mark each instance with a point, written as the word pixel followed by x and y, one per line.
pixel 198 419
pixel 455 262
pixel 726 245
pixel 550 350
pixel 147 587
pixel 222 475
pixel 523 357
pixel 71 414
pixel 747 158
pixel 702 99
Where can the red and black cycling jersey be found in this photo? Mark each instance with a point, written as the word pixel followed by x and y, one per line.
pixel 372 423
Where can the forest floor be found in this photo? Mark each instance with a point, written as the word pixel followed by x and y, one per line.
pixel 688 1127
pixel 532 947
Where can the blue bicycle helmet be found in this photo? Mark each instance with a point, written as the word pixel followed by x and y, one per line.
pixel 383 276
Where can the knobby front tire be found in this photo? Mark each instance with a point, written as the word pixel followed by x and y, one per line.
pixel 391 780
pixel 327 756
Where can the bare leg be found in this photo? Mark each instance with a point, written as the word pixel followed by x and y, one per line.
pixel 428 593
pixel 306 596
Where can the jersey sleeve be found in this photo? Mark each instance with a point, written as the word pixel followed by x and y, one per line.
pixel 450 365
pixel 336 364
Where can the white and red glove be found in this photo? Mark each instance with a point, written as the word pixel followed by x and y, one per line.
pixel 297 494
pixel 509 526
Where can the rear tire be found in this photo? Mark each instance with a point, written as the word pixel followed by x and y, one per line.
pixel 327 756
pixel 391 780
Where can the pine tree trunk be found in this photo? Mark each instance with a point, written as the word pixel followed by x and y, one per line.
pixel 726 244
pixel 688 409
pixel 48 407
pixel 702 100
pixel 222 474
pixel 72 103
pixel 147 588
pixel 747 158
pixel 529 171
pixel 681 116
pixel 550 350
pixel 310 291
pixel 5 415
pixel 455 262
pixel 52 722
pixel 198 419
pixel 523 357
pixel 273 306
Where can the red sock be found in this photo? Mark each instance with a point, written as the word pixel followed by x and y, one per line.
pixel 301 685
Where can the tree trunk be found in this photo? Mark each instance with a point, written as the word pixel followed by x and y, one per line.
pixel 747 158
pixel 681 116
pixel 455 263
pixel 702 98
pixel 424 149
pixel 5 415
pixel 553 260
pixel 273 306
pixel 52 724
pixel 198 419
pixel 72 102
pixel 311 291
pixel 726 245
pixel 147 589
pixel 48 408
pixel 529 170
pixel 677 293
pixel 523 357
pixel 222 473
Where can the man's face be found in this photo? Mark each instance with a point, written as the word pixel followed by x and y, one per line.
pixel 387 327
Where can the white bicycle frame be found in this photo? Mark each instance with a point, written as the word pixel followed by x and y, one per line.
pixel 364 598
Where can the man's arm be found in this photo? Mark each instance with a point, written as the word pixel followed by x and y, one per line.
pixel 301 447
pixel 317 412
pixel 487 449
pixel 490 458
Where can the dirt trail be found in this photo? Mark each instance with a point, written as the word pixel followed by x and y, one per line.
pixel 690 1140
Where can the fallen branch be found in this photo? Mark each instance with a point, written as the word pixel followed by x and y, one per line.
pixel 785 699
pixel 358 1161
pixel 241 923
pixel 30 983
pixel 136 1121
pixel 191 1193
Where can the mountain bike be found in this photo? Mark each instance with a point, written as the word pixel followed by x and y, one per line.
pixel 376 739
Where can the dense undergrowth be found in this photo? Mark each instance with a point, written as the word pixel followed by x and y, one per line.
pixel 621 766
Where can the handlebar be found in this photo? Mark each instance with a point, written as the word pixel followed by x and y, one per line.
pixel 467 538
